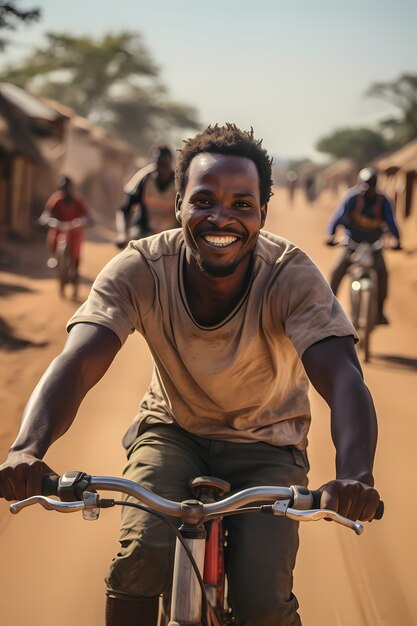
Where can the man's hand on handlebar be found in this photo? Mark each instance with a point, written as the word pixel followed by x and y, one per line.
pixel 350 498
pixel 21 476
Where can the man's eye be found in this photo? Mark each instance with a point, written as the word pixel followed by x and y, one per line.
pixel 242 204
pixel 201 202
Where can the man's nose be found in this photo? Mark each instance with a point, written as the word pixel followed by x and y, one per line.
pixel 220 216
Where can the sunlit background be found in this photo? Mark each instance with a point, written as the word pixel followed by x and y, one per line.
pixel 86 90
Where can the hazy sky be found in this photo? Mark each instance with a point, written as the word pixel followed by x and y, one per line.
pixel 293 70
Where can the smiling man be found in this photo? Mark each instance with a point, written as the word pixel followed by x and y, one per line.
pixel 237 320
pixel 221 241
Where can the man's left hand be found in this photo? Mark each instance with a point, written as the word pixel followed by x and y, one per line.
pixel 350 498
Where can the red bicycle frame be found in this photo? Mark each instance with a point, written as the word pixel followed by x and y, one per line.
pixel 214 573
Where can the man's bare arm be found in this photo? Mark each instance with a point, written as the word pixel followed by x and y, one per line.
pixel 53 405
pixel 333 368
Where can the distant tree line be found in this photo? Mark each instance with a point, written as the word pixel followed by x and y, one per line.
pixel 114 82
pixel 365 144
pixel 111 80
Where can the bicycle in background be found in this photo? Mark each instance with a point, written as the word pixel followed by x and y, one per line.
pixel 364 291
pixel 198 586
pixel 66 238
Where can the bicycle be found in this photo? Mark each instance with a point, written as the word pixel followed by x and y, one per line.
pixel 196 599
pixel 66 263
pixel 364 291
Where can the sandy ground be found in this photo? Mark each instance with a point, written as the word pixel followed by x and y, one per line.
pixel 52 566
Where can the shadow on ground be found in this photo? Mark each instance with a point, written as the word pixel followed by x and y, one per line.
pixel 9 341
pixel 9 289
pixel 396 361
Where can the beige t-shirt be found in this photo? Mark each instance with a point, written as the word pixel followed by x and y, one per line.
pixel 241 380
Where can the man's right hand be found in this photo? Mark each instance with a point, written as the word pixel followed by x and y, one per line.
pixel 21 476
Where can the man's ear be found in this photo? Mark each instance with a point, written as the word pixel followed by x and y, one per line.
pixel 264 212
pixel 178 204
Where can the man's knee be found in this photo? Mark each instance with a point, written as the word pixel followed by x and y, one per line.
pixel 140 570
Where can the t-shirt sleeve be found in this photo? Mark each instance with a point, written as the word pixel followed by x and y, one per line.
pixel 308 309
pixel 121 295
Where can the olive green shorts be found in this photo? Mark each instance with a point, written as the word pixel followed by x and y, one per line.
pixel 261 550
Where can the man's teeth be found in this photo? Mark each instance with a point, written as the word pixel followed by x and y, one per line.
pixel 220 240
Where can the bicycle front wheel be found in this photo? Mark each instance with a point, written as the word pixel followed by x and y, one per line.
pixel 367 322
pixel 63 267
pixel 355 300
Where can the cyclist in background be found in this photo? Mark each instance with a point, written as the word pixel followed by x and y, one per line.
pixel 365 213
pixel 65 205
pixel 237 320
pixel 150 202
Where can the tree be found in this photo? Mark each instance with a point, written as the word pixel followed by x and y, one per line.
pixel 402 93
pixel 10 16
pixel 113 81
pixel 147 114
pixel 361 145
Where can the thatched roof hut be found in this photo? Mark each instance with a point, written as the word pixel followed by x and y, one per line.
pixel 399 178
pixel 404 158
pixel 19 156
pixel 62 142
pixel 337 177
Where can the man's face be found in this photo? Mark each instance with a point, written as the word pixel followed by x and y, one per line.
pixel 221 211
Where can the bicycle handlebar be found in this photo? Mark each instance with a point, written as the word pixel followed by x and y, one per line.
pixel 379 244
pixel 292 502
pixel 77 222
pixel 71 486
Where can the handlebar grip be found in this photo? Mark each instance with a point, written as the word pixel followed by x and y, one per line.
pixel 380 510
pixel 50 485
pixel 316 493
pixel 68 487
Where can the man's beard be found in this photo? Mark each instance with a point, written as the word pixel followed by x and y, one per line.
pixel 217 271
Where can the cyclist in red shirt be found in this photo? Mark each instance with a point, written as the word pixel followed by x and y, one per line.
pixel 65 206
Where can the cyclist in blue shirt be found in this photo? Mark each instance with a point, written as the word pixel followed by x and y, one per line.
pixel 366 213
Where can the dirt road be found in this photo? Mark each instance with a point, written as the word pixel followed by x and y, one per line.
pixel 52 565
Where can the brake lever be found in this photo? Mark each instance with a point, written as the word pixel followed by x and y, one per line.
pixel 48 503
pixel 282 508
pixel 89 505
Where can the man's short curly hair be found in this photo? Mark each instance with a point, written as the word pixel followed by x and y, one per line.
pixel 227 139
